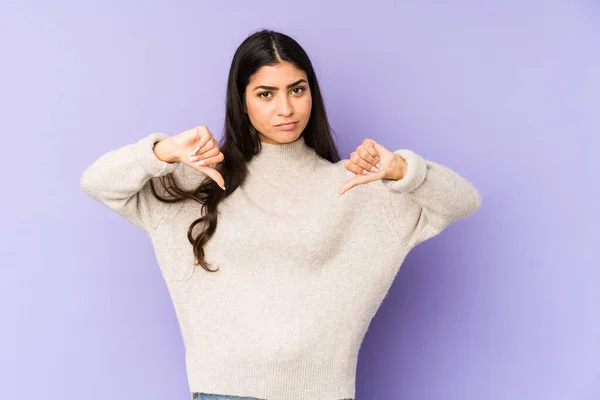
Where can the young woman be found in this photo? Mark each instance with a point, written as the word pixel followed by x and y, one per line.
pixel 305 246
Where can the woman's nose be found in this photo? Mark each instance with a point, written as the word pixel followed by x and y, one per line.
pixel 285 107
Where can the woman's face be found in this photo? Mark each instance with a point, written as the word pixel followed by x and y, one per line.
pixel 275 95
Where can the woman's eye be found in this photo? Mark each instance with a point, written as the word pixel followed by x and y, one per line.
pixel 299 87
pixel 302 89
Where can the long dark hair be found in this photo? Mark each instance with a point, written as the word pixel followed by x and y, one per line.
pixel 240 141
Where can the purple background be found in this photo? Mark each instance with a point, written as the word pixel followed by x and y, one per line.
pixel 502 305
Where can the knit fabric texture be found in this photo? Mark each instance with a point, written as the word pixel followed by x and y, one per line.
pixel 302 269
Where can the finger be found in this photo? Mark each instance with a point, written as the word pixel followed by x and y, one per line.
pixel 358 163
pixel 361 166
pixel 200 157
pixel 204 137
pixel 217 158
pixel 353 167
pixel 372 148
pixel 210 145
pixel 369 151
pixel 352 182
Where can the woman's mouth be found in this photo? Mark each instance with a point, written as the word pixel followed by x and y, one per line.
pixel 287 126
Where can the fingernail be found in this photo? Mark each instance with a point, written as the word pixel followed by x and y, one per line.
pixel 201 162
pixel 374 169
pixel 377 158
pixel 365 172
pixel 193 158
pixel 378 165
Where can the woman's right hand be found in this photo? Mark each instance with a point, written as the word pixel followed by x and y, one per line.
pixel 198 148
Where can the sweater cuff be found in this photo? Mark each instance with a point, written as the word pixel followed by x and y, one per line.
pixel 144 154
pixel 415 173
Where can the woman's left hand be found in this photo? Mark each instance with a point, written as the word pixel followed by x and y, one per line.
pixel 370 162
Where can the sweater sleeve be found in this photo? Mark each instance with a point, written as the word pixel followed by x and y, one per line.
pixel 428 198
pixel 120 179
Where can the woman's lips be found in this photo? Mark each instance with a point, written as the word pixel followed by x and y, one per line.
pixel 287 127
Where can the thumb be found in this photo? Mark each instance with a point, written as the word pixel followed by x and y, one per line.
pixel 212 173
pixel 350 183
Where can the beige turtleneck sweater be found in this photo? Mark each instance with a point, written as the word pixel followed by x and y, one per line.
pixel 303 270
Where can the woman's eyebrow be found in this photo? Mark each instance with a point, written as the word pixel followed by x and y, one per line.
pixel 276 88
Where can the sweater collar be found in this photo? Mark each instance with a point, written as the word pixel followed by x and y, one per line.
pixel 286 157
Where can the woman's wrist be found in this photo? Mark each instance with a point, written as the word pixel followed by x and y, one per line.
pixel 165 151
pixel 397 168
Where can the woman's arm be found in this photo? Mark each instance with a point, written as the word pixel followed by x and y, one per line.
pixel 434 194
pixel 120 179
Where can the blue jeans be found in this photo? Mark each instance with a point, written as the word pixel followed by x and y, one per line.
pixel 208 396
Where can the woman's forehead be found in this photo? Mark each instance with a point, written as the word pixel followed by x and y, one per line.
pixel 278 75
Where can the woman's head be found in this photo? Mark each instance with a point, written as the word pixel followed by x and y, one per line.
pixel 277 94
pixel 275 60
pixel 271 81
